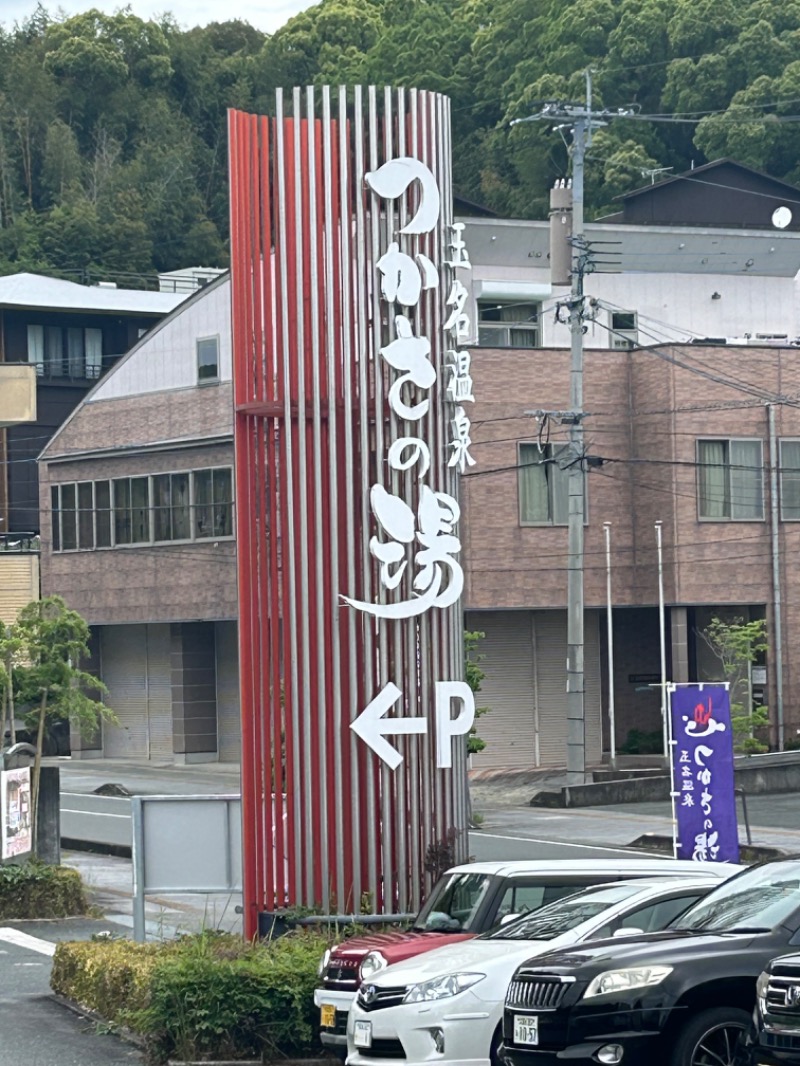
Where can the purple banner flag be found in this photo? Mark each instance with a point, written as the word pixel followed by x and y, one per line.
pixel 702 773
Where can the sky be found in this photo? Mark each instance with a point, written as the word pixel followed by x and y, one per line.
pixel 265 15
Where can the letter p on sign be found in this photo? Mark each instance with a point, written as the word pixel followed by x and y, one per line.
pixel 447 727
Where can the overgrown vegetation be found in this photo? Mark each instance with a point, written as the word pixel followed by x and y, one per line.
pixel 113 133
pixel 642 742
pixel 738 645
pixel 206 996
pixel 474 675
pixel 36 890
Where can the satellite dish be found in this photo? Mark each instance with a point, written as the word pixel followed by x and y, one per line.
pixel 781 217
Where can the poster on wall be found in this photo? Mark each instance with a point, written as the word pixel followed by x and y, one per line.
pixel 702 773
pixel 15 813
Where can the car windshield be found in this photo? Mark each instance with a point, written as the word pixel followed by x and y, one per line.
pixel 454 904
pixel 563 915
pixel 761 898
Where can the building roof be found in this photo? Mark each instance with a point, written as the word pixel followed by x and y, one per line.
pixel 520 243
pixel 53 294
pixel 706 172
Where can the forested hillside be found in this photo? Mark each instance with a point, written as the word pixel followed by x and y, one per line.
pixel 112 129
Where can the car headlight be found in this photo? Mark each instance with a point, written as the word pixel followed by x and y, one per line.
pixel 323 963
pixel 371 964
pixel 442 987
pixel 761 988
pixel 623 980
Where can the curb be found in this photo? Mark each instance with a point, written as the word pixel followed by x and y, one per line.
pixel 749 853
pixel 92 1016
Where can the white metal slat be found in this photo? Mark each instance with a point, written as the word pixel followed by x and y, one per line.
pixel 509 728
pixel 124 657
pixel 159 690
pixel 229 726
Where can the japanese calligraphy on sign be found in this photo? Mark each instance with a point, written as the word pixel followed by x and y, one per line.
pixel 702 773
pixel 426 526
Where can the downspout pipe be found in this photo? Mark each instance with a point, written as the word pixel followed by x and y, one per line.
pixel 777 604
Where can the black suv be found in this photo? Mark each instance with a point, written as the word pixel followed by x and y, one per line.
pixel 682 997
pixel 774 1037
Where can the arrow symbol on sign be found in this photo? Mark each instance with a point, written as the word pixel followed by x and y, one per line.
pixel 372 727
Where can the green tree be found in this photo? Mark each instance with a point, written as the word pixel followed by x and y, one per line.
pixel 474 675
pixel 49 677
pixel 10 648
pixel 738 645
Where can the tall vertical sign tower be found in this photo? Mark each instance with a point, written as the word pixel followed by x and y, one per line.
pixel 351 396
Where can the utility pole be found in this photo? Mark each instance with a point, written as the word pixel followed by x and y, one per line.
pixel 582 120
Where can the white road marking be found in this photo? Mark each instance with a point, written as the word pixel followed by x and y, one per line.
pixel 25 940
pixel 562 844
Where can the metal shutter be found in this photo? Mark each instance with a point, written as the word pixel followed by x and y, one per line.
pixel 229 726
pixel 550 628
pixel 509 728
pixel 124 658
pixel 593 699
pixel 159 691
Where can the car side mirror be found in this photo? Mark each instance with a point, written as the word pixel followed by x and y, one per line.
pixel 509 918
pixel 629 931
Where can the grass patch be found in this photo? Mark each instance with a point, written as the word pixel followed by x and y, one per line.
pixel 36 890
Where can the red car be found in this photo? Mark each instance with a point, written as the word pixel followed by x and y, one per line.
pixel 468 900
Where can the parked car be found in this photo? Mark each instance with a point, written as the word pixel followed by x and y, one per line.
pixel 451 1000
pixel 468 900
pixel 684 996
pixel 55 741
pixel 774 1036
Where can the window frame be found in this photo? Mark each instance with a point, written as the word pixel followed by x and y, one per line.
pixel 110 526
pixel 510 325
pixel 202 381
pixel 781 442
pixel 549 524
pixel 711 438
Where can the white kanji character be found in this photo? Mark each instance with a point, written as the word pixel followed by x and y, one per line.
pixel 461 445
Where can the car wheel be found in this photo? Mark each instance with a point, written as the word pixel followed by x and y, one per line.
pixel 494 1050
pixel 710 1038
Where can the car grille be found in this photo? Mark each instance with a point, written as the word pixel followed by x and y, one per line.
pixel 536 993
pixel 339 1027
pixel 383 997
pixel 383 1049
pixel 783 994
pixel 341 972
pixel 779 1041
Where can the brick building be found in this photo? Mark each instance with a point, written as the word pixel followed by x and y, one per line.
pixel 677 434
pixel 138 489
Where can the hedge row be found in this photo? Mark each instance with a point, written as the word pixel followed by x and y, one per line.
pixel 205 996
pixel 35 890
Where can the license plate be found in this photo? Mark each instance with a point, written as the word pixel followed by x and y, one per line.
pixel 526 1029
pixel 362 1034
pixel 327 1016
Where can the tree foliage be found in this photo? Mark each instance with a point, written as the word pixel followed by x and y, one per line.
pixel 114 125
pixel 738 645
pixel 52 642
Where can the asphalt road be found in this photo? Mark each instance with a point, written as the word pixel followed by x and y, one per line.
pixel 35 1029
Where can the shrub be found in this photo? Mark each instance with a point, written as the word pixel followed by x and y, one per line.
pixel 205 996
pixel 36 890
pixel 639 742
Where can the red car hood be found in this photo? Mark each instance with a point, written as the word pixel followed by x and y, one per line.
pixel 395 946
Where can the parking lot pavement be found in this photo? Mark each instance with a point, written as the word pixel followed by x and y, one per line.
pixel 35 1029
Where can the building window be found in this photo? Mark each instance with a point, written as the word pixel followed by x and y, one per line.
pixel 208 360
pixel 790 480
pixel 730 483
pixel 85 515
pixel 102 516
pixel 72 352
pixel 543 485
pixel 511 325
pixel 213 503
pixel 624 329
pixel 158 508
pixel 55 517
pixel 171 507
